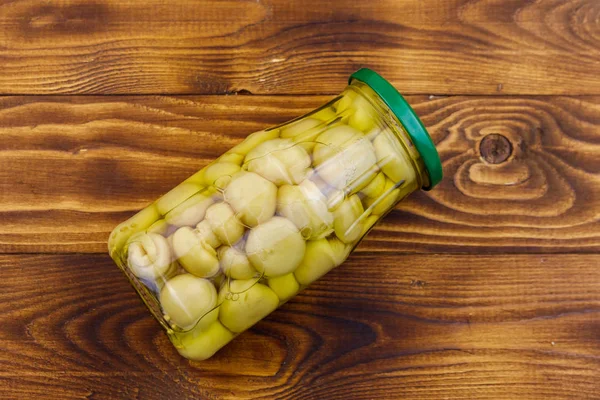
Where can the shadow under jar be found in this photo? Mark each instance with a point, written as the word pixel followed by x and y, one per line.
pixel 246 233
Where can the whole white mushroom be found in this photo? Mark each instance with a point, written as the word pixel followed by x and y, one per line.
pixel 189 301
pixel 191 211
pixel 321 257
pixel 215 172
pixel 345 101
pixel 194 254
pixel 326 115
pixel 347 224
pixel 279 160
pixel 275 247
pixel 375 187
pixel 201 344
pixel 235 263
pixel 385 200
pixel 345 158
pixel 224 223
pixel 254 140
pixel 245 302
pixel 137 223
pixel 253 197
pixel 304 132
pixel 176 196
pixel 300 127
pixel 363 116
pixel 149 256
pixel 205 234
pixel 306 207
pixel 334 140
pixel 391 157
pixel 284 286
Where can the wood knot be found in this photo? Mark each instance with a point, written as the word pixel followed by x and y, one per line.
pixel 495 148
pixel 415 283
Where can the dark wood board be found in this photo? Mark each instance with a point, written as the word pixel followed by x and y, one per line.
pixel 310 46
pixel 74 167
pixel 380 326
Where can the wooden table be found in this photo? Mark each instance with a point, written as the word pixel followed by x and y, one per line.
pixel 487 287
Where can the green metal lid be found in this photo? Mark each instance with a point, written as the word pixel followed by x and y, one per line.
pixel 408 118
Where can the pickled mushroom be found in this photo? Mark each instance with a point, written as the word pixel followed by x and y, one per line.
pixel 344 157
pixel 306 207
pixel 191 211
pixel 314 177
pixel 149 256
pixel 197 178
pixel 362 117
pixel 333 140
pixel 176 196
pixel 205 233
pixel 345 101
pixel 375 187
pixel 161 227
pixel 346 219
pixel 333 195
pixel 200 345
pixel 276 247
pixel 327 114
pixel 300 127
pixel 170 242
pixel 218 170
pixel 321 257
pixel 279 160
pixel 390 157
pixel 224 224
pixel 363 180
pixel 189 301
pixel 137 223
pixel 369 222
pixel 253 197
pixel 235 264
pixel 244 303
pixel 284 286
pixel 335 199
pixel 194 255
pixel 386 200
pixel 231 157
pixel 254 140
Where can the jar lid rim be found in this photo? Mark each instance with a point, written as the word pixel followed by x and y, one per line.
pixel 407 116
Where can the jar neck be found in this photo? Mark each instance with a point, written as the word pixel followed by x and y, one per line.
pixel 394 125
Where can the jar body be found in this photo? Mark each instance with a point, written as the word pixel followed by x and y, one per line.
pixel 247 232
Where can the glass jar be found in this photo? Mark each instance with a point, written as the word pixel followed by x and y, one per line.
pixel 246 233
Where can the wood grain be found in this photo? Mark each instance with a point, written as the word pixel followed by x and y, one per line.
pixel 310 47
pixel 485 288
pixel 72 168
pixel 412 326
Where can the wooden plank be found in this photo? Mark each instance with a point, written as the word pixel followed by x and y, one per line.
pixel 380 326
pixel 108 386
pixel 279 46
pixel 72 168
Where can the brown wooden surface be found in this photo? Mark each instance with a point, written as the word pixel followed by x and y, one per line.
pixel 392 326
pixel 310 46
pixel 487 287
pixel 92 161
